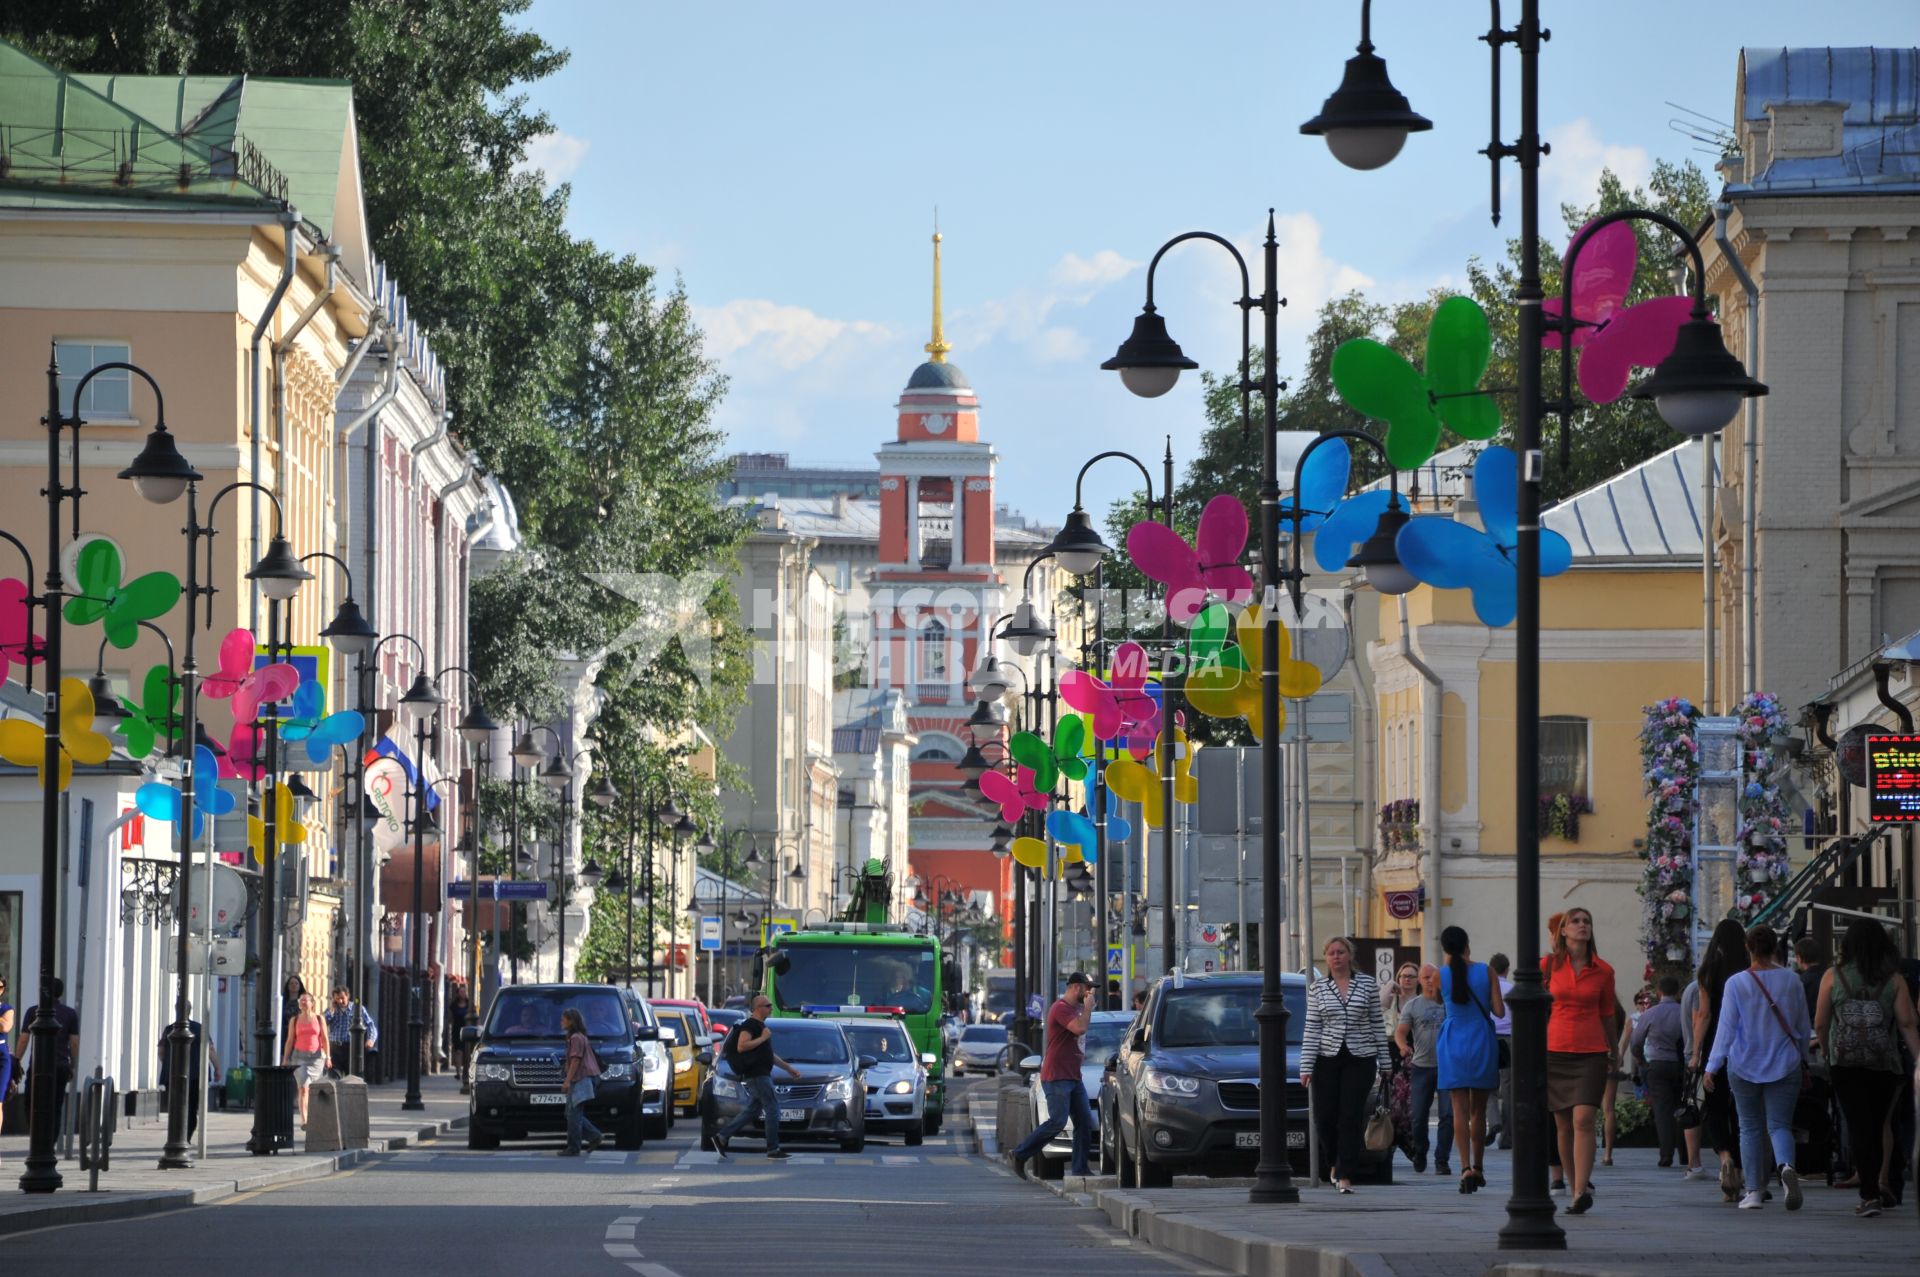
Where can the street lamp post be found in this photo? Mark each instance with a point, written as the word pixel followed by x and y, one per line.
pixel 422 703
pixel 1697 389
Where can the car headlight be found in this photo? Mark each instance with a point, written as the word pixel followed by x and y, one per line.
pixel 902 1087
pixel 493 1072
pixel 841 1088
pixel 726 1088
pixel 1176 1085
pixel 655 1057
pixel 617 1071
pixel 682 1066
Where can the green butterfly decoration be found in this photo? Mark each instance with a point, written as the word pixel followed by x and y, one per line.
pixel 118 607
pixel 1048 763
pixel 154 717
pixel 1376 382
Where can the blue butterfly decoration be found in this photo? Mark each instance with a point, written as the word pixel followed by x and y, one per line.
pixel 1340 523
pixel 321 732
pixel 1074 829
pixel 163 802
pixel 1458 556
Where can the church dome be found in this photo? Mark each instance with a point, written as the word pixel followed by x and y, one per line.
pixel 941 376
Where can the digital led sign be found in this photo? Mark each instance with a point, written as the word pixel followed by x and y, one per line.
pixel 1893 779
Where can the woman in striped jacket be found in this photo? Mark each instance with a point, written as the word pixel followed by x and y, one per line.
pixel 1343 1046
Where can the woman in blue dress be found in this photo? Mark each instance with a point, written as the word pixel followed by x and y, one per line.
pixel 1468 1053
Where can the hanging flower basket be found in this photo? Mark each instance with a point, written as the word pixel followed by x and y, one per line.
pixel 1671 768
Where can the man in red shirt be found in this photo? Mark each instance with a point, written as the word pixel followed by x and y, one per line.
pixel 1060 1077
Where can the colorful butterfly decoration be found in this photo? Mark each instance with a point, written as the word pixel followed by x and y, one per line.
pixel 1076 829
pixel 1340 523
pixel 1613 338
pixel 1375 381
pixel 1228 686
pixel 1207 569
pixel 1458 556
pixel 19 645
pixel 287 827
pixel 1050 763
pixel 1140 782
pixel 321 731
pixel 25 744
pixel 118 606
pixel 1121 706
pixel 156 715
pixel 247 687
pixel 1015 794
pixel 1031 852
pixel 163 802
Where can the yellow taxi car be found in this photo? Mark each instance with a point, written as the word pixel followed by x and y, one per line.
pixel 681 1035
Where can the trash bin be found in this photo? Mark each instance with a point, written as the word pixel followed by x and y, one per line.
pixel 274 1096
pixel 238 1091
pixel 336 1115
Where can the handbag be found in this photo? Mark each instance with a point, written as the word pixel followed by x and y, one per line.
pixel 1806 1071
pixel 1379 1136
pixel 1688 1114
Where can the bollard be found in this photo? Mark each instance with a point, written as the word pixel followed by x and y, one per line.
pixel 98 1121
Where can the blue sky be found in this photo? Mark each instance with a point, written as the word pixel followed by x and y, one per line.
pixel 785 160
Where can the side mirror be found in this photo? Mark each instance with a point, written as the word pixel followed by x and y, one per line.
pixel 1113 1061
pixel 701 1039
pixel 647 1033
pixel 705 1058
pixel 1139 1040
pixel 929 1059
pixel 1030 1064
pixel 470 1035
pixel 868 1062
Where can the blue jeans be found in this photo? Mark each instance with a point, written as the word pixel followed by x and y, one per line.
pixel 761 1100
pixel 1064 1100
pixel 1423 1089
pixel 1766 1114
pixel 579 1130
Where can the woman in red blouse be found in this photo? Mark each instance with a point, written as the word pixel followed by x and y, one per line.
pixel 1581 1039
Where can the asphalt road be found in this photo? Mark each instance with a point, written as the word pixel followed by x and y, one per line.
pixel 666 1211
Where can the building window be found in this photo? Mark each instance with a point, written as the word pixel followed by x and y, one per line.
pixel 1564 756
pixel 933 653
pixel 107 397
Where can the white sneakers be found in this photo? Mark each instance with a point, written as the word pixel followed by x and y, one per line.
pixel 1791 1178
pixel 1751 1201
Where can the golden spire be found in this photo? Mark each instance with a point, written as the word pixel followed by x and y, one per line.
pixel 937 348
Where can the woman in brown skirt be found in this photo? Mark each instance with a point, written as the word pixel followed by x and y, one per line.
pixel 1581 1038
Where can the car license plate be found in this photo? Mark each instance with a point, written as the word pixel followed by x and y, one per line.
pixel 793 1115
pixel 548 1099
pixel 1296 1139
pixel 1246 1139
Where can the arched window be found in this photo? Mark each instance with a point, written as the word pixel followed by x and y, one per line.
pixel 937 747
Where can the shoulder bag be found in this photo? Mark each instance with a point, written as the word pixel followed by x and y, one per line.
pixel 1806 1074
pixel 1503 1049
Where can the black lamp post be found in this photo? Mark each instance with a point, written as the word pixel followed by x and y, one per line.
pixel 476 728
pixel 422 703
pixel 1697 389
pixel 161 476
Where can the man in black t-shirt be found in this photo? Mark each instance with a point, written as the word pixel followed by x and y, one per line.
pixel 749 1052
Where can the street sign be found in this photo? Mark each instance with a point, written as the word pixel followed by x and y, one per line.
pixel 776 927
pixel 1403 904
pixel 710 933
pixel 1116 960
pixel 1210 933
pixel 229 956
pixel 1383 966
pixel 494 889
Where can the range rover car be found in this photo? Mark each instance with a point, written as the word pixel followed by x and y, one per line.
pixel 519 1056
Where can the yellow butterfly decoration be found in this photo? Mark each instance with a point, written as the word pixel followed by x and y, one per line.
pixel 1030 852
pixel 25 744
pixel 286 823
pixel 1140 782
pixel 1228 685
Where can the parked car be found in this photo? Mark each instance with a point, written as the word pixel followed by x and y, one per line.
pixel 519 1056
pixel 982 1048
pixel 724 1018
pixel 656 1070
pixel 696 1011
pixel 1105 1029
pixel 1182 1094
pixel 826 1102
pixel 897 1081
pixel 685 1042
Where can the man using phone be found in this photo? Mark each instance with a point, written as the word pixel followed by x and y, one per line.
pixel 1060 1077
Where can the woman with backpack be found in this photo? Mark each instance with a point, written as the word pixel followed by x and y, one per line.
pixel 1762 1038
pixel 1864 1010
pixel 1468 1052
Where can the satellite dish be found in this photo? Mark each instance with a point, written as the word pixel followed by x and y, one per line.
pixel 230 899
pixel 1319 633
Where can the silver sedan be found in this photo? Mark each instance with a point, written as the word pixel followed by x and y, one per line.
pixel 982 1049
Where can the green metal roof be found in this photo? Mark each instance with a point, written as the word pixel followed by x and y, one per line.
pixel 96 141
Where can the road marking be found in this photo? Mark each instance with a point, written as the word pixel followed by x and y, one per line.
pixel 620 1230
pixel 653 1270
pixel 623 1250
pixel 628 1219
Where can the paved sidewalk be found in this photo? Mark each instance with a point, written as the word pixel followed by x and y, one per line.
pixel 1645 1220
pixel 133 1183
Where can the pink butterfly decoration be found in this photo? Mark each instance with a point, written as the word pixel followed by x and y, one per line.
pixel 248 687
pixel 1121 707
pixel 1199 573
pixel 1014 796
pixel 1614 338
pixel 18 643
pixel 245 758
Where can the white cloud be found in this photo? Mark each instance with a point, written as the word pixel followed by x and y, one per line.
pixel 555 154
pixel 765 333
pixel 1579 155
pixel 1059 345
pixel 1022 316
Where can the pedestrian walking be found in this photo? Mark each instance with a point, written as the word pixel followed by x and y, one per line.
pixel 1810 961
pixel 1582 1035
pixel 1344 1046
pixel 6 1051
pixel 1615 1076
pixel 1725 958
pixel 196 1073
pixel 1689 1008
pixel 1658 1046
pixel 1862 1014
pixel 340 1017
pixel 580 1077
pixel 1468 1051
pixel 1393 1002
pixel 1060 1079
pixel 290 995
pixel 1500 1109
pixel 1762 1040
pixel 66 1049
pixel 459 1011
pixel 305 1049
pixel 1418 1036
pixel 748 1051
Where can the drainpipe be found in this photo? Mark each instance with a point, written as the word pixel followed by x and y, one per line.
pixel 439 433
pixel 280 348
pixel 1750 459
pixel 290 222
pixel 1364 764
pixel 388 387
pixel 1886 697
pixel 1429 790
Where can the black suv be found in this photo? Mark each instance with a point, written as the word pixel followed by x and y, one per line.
pixel 519 1056
pixel 1182 1094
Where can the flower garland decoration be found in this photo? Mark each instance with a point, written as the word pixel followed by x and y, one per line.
pixel 1560 815
pixel 1760 866
pixel 1670 763
pixel 1400 825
